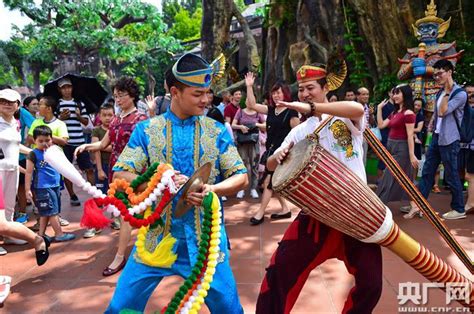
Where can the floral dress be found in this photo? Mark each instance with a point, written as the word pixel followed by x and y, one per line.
pixel 120 130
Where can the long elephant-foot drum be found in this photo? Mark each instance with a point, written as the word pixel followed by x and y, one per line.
pixel 326 189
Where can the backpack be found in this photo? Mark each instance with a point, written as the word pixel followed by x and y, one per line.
pixel 466 128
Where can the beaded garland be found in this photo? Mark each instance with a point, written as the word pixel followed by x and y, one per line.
pixel 158 176
pixel 190 296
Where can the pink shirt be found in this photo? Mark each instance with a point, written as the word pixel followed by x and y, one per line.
pixel 243 118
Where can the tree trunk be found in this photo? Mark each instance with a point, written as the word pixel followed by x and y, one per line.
pixel 280 34
pixel 216 18
pixel 306 31
pixel 151 83
pixel 253 57
pixel 215 30
pixel 36 79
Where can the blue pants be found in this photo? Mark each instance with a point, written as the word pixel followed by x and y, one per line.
pixel 449 156
pixel 138 281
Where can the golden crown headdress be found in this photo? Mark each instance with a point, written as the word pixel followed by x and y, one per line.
pixel 431 17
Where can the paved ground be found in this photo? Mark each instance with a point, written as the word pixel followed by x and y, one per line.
pixel 71 281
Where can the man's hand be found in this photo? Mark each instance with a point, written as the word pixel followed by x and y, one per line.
pixel 179 179
pixel 281 155
pixel 64 115
pixel 196 198
pixel 78 113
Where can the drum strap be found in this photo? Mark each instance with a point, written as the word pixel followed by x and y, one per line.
pixel 416 196
pixel 322 125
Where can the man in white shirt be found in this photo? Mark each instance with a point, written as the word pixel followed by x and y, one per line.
pixel 307 242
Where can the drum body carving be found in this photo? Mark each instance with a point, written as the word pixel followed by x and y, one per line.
pixel 326 189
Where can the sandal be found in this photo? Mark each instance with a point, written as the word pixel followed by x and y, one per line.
pixel 436 189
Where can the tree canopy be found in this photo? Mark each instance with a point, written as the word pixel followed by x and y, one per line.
pixel 102 37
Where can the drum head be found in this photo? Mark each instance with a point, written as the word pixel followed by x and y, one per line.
pixel 294 164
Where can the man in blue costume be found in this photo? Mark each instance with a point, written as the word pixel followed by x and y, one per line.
pixel 187 140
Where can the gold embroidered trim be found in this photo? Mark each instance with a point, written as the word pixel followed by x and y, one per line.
pixel 157 141
pixel 230 161
pixel 134 155
pixel 169 143
pixel 208 140
pixel 197 148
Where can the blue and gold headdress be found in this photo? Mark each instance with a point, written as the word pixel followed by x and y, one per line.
pixel 202 77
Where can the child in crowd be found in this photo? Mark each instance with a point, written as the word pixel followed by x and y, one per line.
pixel 45 181
pixel 46 108
pixel 106 114
pixel 31 104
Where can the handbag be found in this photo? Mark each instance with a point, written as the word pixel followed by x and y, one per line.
pixel 251 137
pixel 266 154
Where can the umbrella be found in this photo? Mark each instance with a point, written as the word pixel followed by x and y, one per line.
pixel 84 88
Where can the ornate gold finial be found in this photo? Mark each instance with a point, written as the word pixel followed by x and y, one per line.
pixel 431 9
pixel 430 15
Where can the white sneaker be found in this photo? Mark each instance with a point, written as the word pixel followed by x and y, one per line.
pixel 63 222
pixel 90 233
pixel 240 194
pixel 5 283
pixel 405 209
pixel 452 214
pixel 13 241
pixel 254 194
pixel 224 199
pixel 3 251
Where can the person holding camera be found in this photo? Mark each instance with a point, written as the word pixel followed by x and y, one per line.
pixel 248 123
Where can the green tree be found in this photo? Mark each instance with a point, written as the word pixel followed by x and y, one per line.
pixel 187 27
pixel 102 37
pixel 183 18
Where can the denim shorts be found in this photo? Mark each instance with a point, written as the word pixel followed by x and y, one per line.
pixel 48 201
